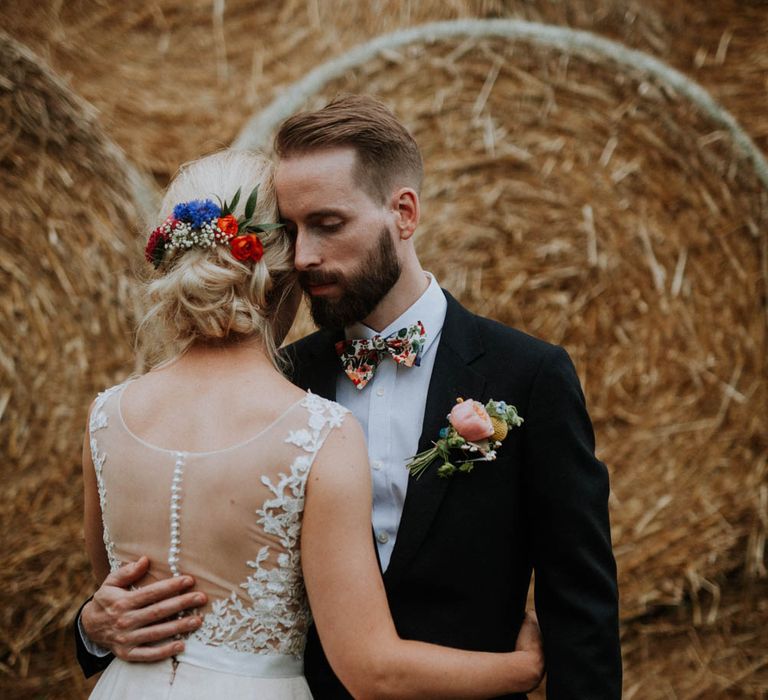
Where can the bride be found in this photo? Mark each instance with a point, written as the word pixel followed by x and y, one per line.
pixel 216 466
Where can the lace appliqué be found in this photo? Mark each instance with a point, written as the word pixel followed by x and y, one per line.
pixel 277 620
pixel 97 422
pixel 322 413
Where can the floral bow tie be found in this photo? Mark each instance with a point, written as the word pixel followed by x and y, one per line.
pixel 361 357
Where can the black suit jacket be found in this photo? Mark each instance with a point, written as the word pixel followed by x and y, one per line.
pixel 466 546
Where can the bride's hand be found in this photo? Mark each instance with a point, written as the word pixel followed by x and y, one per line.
pixel 529 641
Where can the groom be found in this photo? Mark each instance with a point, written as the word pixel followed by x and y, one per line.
pixel 456 553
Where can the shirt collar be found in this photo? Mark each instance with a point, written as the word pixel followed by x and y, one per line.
pixel 429 308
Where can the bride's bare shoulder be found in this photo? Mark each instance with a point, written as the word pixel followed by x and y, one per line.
pixel 344 448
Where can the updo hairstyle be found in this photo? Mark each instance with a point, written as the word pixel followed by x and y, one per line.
pixel 207 295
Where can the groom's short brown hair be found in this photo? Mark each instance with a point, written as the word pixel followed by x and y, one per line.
pixel 387 155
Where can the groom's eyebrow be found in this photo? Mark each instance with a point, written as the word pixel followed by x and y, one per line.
pixel 318 215
pixel 328 211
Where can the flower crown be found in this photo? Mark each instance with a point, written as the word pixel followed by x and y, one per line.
pixel 201 223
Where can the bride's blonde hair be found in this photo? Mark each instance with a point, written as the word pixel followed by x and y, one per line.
pixel 207 295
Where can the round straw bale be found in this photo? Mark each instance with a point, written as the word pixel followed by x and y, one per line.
pixel 714 647
pixel 175 79
pixel 590 204
pixel 68 219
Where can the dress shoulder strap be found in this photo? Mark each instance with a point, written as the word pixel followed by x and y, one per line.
pixel 323 416
pixel 99 414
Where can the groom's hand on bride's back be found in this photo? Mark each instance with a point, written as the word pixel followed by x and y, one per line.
pixel 141 624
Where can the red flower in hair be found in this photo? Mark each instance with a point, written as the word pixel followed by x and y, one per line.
pixel 247 247
pixel 228 224
pixel 155 249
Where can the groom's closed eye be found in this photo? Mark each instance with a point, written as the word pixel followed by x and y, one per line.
pixel 329 227
pixel 325 223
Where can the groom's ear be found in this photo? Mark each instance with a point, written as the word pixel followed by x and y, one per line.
pixel 407 210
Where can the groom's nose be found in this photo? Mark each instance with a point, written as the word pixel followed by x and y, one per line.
pixel 307 251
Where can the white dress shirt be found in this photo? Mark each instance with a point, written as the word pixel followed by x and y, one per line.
pixel 391 410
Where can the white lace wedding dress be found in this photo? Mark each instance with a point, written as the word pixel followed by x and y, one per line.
pixel 232 519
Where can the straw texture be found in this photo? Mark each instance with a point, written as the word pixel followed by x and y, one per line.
pixel 173 79
pixel 68 221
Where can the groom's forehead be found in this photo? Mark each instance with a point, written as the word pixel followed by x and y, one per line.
pixel 308 184
pixel 339 163
pixel 327 200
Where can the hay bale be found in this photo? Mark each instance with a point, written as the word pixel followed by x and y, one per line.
pixel 69 219
pixel 588 204
pixel 133 62
pixel 713 648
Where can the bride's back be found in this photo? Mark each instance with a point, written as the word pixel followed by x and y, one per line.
pixel 208 399
pixel 207 477
pixel 202 463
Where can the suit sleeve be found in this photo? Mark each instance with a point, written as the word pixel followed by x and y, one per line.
pixel 91 664
pixel 576 589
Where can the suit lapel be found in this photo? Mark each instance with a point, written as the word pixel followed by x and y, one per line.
pixel 317 365
pixel 451 377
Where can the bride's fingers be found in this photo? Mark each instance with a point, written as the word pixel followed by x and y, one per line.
pixel 529 636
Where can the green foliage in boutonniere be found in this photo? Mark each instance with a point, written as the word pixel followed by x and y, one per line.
pixel 475 429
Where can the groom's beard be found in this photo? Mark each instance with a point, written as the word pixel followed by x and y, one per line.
pixel 363 289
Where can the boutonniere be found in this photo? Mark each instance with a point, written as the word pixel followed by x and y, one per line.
pixel 475 430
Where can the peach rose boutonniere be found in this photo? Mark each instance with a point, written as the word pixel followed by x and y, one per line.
pixel 474 430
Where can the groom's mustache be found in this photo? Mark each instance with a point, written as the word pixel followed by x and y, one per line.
pixel 312 278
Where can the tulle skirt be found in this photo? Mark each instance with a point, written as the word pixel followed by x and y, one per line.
pixel 205 672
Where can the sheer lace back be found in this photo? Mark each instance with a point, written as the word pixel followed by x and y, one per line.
pixel 230 517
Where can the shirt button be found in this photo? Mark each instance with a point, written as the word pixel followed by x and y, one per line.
pixel 379 392
pixel 377 465
pixel 382 537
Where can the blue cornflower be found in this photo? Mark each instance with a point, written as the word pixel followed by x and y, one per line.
pixel 443 432
pixel 197 212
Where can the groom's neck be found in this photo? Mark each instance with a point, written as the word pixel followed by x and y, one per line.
pixel 413 282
